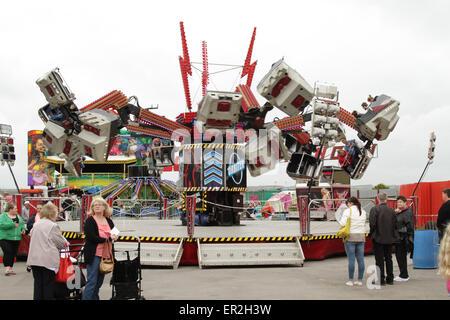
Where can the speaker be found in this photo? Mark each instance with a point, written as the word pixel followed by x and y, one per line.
pixel 224 217
pixel 138 171
pixel 236 218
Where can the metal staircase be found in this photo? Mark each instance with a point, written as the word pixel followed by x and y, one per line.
pixel 247 254
pixel 152 254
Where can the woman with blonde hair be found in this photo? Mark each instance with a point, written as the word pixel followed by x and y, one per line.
pixel 444 257
pixel 326 197
pixel 43 256
pixel 97 229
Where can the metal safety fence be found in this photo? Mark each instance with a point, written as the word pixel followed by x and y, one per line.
pixel 141 208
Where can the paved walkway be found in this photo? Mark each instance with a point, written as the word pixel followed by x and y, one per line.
pixel 317 280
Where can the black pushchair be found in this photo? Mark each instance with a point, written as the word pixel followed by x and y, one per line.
pixel 126 280
pixel 72 290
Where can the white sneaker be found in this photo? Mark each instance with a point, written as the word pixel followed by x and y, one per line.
pixel 358 283
pixel 349 283
pixel 400 279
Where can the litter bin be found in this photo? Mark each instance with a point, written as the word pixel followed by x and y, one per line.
pixel 426 249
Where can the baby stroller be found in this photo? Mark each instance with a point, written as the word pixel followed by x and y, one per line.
pixel 74 289
pixel 126 277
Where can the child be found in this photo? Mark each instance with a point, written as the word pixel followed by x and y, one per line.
pixel 444 257
pixel 39 172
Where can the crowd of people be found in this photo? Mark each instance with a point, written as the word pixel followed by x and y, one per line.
pixel 390 228
pixel 47 241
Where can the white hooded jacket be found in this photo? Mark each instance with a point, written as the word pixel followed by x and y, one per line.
pixel 357 222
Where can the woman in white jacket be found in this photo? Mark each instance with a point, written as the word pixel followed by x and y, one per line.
pixel 354 246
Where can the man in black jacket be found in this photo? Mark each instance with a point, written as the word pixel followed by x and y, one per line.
pixel 443 218
pixel 32 219
pixel 405 227
pixel 67 205
pixel 383 231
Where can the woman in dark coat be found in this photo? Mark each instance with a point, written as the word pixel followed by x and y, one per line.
pixel 97 229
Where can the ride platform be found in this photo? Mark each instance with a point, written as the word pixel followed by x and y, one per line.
pixel 253 242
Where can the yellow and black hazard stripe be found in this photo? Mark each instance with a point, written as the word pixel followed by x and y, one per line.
pixel 265 239
pixel 204 204
pixel 246 239
pixel 223 145
pixel 322 237
pixel 235 146
pixel 150 239
pixel 213 145
pixel 78 236
pixel 211 189
pixel 237 189
pixel 72 235
pixel 192 189
pixel 191 146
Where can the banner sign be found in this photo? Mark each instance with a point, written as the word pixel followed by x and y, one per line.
pixel 40 172
pixel 191 168
pixel 213 167
pixel 236 170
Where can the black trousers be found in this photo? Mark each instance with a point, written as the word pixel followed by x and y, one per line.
pixel 9 248
pixel 401 254
pixel 44 283
pixel 383 255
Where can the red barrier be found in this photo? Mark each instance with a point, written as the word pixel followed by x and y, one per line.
pixel 18 201
pixel 430 199
pixel 322 249
pixel 436 195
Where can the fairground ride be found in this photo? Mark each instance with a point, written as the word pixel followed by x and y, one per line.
pixel 227 135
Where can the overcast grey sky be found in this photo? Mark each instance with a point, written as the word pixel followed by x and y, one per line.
pixel 399 48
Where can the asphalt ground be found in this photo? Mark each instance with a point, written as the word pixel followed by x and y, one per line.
pixel 317 288
pixel 316 280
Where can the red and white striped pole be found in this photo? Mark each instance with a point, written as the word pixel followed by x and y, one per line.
pixel 190 215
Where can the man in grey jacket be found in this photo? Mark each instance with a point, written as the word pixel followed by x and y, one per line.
pixel 383 231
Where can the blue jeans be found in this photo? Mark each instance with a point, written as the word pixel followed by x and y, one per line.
pixel 94 280
pixel 355 249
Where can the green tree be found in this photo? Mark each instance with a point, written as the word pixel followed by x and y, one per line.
pixel 380 186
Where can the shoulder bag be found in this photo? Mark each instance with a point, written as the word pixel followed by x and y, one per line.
pixel 107 264
pixel 65 270
pixel 344 231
